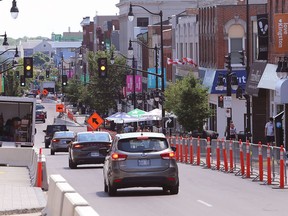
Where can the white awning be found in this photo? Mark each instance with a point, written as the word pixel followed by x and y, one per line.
pixel 269 77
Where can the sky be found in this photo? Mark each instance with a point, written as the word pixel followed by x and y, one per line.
pixel 44 17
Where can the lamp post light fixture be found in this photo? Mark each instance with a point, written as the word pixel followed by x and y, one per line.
pixel 5 41
pixel 160 14
pixel 14 9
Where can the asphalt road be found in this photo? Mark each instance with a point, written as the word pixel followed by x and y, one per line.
pixel 202 191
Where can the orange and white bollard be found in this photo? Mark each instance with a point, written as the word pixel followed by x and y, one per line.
pixel 181 149
pixel 231 156
pixel 208 152
pixel 39 169
pixel 225 156
pixel 191 152
pixel 282 168
pixel 260 159
pixel 247 159
pixel 177 148
pixel 186 150
pixel 198 151
pixel 269 177
pixel 218 155
pixel 242 166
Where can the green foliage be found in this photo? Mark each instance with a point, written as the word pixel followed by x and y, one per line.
pixel 188 100
pixel 100 94
pixel 41 60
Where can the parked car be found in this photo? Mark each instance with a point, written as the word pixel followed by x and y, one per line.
pixel 85 148
pixel 40 107
pixel 40 116
pixel 140 159
pixel 204 134
pixel 50 130
pixel 60 141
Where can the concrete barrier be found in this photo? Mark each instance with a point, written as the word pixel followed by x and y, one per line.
pixel 57 203
pixel 85 211
pixel 63 200
pixel 13 156
pixel 72 200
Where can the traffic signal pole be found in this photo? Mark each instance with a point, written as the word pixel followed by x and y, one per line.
pixel 229 93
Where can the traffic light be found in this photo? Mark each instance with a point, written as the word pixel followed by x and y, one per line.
pixel 220 101
pixel 28 67
pixel 64 80
pixel 102 67
pixel 242 57
pixel 228 61
pixel 47 73
pixel 17 74
pixel 239 92
pixel 22 80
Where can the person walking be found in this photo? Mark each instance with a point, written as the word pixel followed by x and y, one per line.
pixel 269 132
pixel 232 132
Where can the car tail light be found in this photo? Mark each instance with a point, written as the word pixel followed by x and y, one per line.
pixel 118 157
pixel 77 146
pixel 168 155
pixel 55 140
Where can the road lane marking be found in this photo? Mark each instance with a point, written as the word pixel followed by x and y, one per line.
pixel 204 203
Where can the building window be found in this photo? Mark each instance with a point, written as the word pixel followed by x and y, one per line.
pixel 236 45
pixel 142 22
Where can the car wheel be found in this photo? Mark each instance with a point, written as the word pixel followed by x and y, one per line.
pixel 165 189
pixel 52 152
pixel 174 189
pixel 111 190
pixel 44 121
pixel 72 165
pixel 105 187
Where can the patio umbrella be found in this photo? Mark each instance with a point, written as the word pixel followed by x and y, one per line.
pixel 122 117
pixel 156 114
pixel 136 113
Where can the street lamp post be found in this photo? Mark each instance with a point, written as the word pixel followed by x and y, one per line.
pixel 131 17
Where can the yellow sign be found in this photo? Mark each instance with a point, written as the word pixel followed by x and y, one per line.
pixel 59 108
pixel 95 121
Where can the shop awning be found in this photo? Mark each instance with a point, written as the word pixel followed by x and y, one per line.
pixel 269 77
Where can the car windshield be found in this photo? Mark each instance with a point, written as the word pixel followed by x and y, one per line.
pixel 93 137
pixel 39 106
pixel 53 128
pixel 66 134
pixel 147 145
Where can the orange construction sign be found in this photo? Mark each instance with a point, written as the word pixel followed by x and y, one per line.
pixel 59 107
pixel 95 121
pixel 45 92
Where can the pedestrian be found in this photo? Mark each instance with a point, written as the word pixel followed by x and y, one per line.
pixel 138 129
pixel 232 132
pixel 269 132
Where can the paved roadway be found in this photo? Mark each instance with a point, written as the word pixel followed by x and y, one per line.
pixel 202 191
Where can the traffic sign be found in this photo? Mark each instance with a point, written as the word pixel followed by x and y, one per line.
pixel 227 101
pixel 59 107
pixel 169 122
pixel 95 121
pixel 45 92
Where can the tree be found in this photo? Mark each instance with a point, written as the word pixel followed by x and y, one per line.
pixel 188 100
pixel 102 93
pixel 41 60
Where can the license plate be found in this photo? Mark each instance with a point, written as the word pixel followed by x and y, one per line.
pixel 144 162
pixel 94 154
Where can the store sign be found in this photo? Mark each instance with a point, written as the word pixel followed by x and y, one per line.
pixel 281 32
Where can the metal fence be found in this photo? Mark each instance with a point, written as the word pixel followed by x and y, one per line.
pixel 262 163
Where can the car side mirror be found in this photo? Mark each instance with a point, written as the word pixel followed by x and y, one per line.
pixel 44 131
pixel 173 148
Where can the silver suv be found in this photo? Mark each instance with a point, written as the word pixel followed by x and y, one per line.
pixel 140 159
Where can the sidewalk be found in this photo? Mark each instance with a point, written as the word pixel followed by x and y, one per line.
pixel 17 196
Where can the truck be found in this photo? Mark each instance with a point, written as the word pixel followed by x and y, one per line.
pixel 17 121
pixel 48 85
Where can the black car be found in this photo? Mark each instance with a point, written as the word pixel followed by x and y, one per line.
pixel 40 107
pixel 86 149
pixel 40 116
pixel 50 130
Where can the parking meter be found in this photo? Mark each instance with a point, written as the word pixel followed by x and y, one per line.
pixel 278 125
